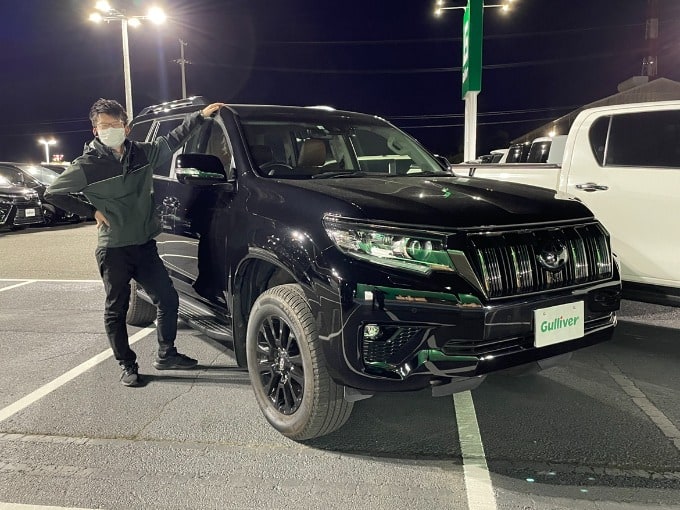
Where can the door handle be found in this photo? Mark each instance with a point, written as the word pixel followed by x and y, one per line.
pixel 591 186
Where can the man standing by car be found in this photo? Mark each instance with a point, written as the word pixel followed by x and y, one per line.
pixel 115 174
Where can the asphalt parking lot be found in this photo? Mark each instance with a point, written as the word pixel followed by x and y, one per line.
pixel 599 433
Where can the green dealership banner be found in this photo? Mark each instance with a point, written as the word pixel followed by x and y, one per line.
pixel 472 46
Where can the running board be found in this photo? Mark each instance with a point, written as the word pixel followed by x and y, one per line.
pixel 204 320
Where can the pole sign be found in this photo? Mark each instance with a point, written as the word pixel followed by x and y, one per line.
pixel 472 46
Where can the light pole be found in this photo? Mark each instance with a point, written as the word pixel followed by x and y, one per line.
pixel 47 144
pixel 108 14
pixel 182 63
pixel 472 64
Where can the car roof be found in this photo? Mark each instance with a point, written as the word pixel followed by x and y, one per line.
pixel 311 113
pixel 254 111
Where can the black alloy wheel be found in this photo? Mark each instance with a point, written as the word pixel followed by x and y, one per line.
pixel 288 369
pixel 280 364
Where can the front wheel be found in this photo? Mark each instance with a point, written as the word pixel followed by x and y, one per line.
pixel 287 368
pixel 49 216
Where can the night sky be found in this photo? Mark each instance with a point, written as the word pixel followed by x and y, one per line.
pixel 392 58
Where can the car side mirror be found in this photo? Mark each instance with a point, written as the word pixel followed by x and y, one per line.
pixel 199 169
pixel 444 162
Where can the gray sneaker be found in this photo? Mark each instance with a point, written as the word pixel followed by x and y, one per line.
pixel 130 376
pixel 175 361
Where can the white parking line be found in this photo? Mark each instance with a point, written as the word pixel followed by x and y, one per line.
pixel 663 423
pixel 17 506
pixel 478 485
pixel 31 280
pixel 48 388
pixel 17 285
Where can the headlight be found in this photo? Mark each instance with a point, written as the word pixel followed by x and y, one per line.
pixel 394 247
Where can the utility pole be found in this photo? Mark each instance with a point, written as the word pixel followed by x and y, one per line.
pixel 182 62
pixel 650 64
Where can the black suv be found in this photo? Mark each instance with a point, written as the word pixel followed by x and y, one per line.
pixel 342 259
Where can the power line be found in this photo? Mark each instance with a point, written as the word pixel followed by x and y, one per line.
pixel 58 121
pixel 368 42
pixel 427 70
pixel 545 119
pixel 483 114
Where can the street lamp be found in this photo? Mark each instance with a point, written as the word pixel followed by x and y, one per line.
pixel 47 144
pixel 182 62
pixel 472 64
pixel 108 14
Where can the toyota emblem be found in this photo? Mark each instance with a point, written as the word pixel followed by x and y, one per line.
pixel 553 255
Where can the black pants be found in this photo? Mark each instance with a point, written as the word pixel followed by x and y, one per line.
pixel 117 266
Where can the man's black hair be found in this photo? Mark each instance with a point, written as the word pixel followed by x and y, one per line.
pixel 108 107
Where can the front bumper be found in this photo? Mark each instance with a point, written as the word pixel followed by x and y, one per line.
pixel 397 340
pixel 12 215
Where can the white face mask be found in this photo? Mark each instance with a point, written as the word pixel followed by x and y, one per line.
pixel 112 137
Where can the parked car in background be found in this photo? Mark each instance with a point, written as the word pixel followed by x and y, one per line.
pixel 518 153
pixel 38 178
pixel 342 260
pixel 623 162
pixel 19 206
pixel 499 155
pixel 57 167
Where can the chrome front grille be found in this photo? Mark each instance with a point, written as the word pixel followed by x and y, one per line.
pixel 509 263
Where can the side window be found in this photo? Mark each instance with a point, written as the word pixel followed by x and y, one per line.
pixel 140 132
pixel 164 127
pixel 218 145
pixel 598 138
pixel 647 139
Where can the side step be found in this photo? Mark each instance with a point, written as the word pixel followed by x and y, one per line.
pixel 205 321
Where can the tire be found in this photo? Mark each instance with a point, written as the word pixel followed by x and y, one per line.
pixel 140 312
pixel 49 217
pixel 287 368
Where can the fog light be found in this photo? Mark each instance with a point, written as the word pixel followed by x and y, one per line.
pixel 371 331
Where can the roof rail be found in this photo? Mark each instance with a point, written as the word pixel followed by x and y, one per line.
pixel 172 105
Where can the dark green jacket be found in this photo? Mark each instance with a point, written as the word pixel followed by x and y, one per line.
pixel 121 190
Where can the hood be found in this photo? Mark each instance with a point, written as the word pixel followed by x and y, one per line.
pixel 18 191
pixel 445 202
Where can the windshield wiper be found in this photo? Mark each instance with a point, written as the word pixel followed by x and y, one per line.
pixel 341 173
pixel 430 173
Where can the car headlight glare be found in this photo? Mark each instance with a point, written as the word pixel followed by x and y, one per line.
pixel 394 247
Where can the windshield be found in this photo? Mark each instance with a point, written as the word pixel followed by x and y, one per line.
pixel 40 173
pixel 335 148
